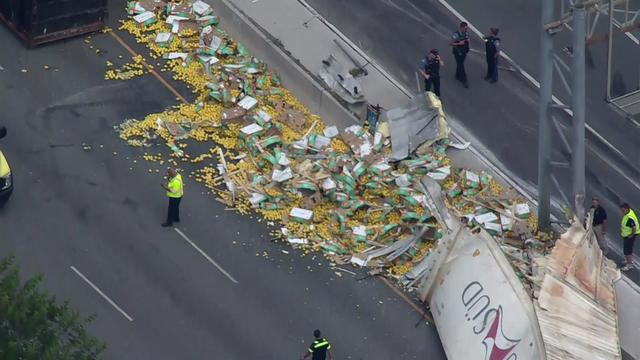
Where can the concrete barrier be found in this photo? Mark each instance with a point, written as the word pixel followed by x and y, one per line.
pixel 628 297
pixel 294 77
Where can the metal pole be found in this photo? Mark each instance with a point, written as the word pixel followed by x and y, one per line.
pixel 609 51
pixel 544 119
pixel 578 106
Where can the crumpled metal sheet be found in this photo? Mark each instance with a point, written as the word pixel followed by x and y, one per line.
pixel 576 306
pixel 336 76
pixel 476 299
pixel 399 246
pixel 420 121
pixel 434 198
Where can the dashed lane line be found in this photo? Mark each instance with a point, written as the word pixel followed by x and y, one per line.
pixel 209 259
pixel 94 287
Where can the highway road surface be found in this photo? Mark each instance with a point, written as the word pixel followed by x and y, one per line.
pixel 86 212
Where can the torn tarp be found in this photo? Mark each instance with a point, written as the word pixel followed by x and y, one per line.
pixel 420 121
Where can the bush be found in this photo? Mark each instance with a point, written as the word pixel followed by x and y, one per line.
pixel 33 326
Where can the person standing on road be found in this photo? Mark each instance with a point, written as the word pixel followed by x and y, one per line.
pixel 460 44
pixel 431 73
pixel 492 51
pixel 175 190
pixel 628 230
pixel 319 348
pixel 600 225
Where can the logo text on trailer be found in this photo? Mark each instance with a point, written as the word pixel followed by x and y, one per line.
pixel 479 311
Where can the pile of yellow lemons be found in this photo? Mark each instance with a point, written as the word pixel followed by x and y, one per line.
pixel 204 118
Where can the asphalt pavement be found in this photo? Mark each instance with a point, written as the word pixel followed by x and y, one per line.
pixel 502 118
pixel 86 212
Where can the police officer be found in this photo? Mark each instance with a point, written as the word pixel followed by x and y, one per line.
pixel 319 348
pixel 175 190
pixel 492 51
pixel 629 228
pixel 460 44
pixel 431 74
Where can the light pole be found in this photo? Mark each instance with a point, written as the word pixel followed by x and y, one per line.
pixel 548 59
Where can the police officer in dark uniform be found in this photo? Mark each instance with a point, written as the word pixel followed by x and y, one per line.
pixel 319 349
pixel 492 50
pixel 431 74
pixel 460 44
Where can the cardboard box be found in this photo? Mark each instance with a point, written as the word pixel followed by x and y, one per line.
pixel 163 39
pixel 149 5
pixel 257 198
pixel 262 118
pixel 522 210
pixel 208 20
pixel 472 179
pixel 185 26
pixel 247 102
pixel 298 241
pixel 233 113
pixel 360 233
pixel 201 8
pixel 294 119
pixel 485 218
pixel 208 59
pixel 251 129
pixel 145 19
pixel 493 228
pixel 176 55
pixel 300 215
pixel 282 175
pixel 171 19
pixel 182 9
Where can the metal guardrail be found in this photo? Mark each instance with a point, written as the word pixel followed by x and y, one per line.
pixel 629 103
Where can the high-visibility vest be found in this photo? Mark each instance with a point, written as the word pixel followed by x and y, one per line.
pixel 176 189
pixel 320 346
pixel 627 230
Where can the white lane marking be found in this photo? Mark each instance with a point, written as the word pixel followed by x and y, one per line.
pixel 527 76
pixel 618 169
pixel 94 287
pixel 209 259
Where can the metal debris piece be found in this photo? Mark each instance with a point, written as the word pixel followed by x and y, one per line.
pixel 419 122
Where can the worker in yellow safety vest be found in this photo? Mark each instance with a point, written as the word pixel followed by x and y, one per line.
pixel 629 228
pixel 175 190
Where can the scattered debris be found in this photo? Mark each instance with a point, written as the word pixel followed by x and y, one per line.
pixel 345 270
pixel 341 81
pixel 420 123
pixel 355 194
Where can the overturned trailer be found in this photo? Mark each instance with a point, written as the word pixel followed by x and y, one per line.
pixel 483 311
